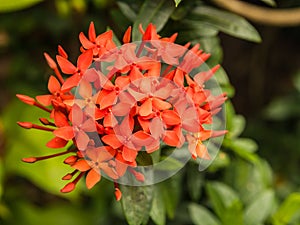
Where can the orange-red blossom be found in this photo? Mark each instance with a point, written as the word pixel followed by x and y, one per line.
pixel 133 104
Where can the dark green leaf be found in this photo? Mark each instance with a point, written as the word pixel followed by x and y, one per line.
pixel 227 22
pixel 195 181
pixel 152 11
pixel 158 209
pixel 225 202
pixel 136 202
pixel 9 5
pixel 127 11
pixel 260 208
pixel 171 189
pixel 202 216
pixel 289 208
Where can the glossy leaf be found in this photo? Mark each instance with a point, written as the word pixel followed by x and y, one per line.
pixel 152 11
pixel 8 5
pixel 202 216
pixel 158 209
pixel 136 203
pixel 225 202
pixel 260 208
pixel 289 208
pixel 226 22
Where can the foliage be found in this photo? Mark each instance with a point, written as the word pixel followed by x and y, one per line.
pixel 238 188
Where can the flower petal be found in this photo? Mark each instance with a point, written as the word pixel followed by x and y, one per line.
pixel 82 140
pixel 85 60
pixel 81 165
pixel 92 178
pixel 129 154
pixel 160 104
pixel 146 108
pixel 53 85
pixel 57 142
pixel 65 65
pixel 170 117
pixel 112 140
pixel 66 133
pixel 44 99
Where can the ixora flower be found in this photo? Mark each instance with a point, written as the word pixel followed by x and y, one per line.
pixel 119 105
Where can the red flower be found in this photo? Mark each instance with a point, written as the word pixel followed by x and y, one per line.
pixel 137 97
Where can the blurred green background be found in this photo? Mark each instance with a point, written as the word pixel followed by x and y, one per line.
pixel 254 179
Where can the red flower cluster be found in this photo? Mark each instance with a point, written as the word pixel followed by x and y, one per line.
pixel 128 99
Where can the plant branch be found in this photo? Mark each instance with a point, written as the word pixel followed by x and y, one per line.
pixel 275 17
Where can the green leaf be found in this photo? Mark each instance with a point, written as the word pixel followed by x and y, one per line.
pixel 171 190
pixel 158 209
pixel 227 22
pixel 244 147
pixel 269 2
pixel 222 160
pixel 288 209
pixel 225 202
pixel 152 11
pixel 25 143
pixel 260 208
pixel 136 203
pixel 239 123
pixel 168 164
pixel 202 216
pixel 127 10
pixel 177 2
pixel 9 5
pixel 195 181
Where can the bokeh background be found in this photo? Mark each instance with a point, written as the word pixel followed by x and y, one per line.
pixel 259 160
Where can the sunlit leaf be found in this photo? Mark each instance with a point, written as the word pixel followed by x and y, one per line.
pixel 177 2
pixel 136 202
pixel 26 143
pixel 227 22
pixel 260 208
pixel 289 208
pixel 9 5
pixel 201 216
pixel 152 11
